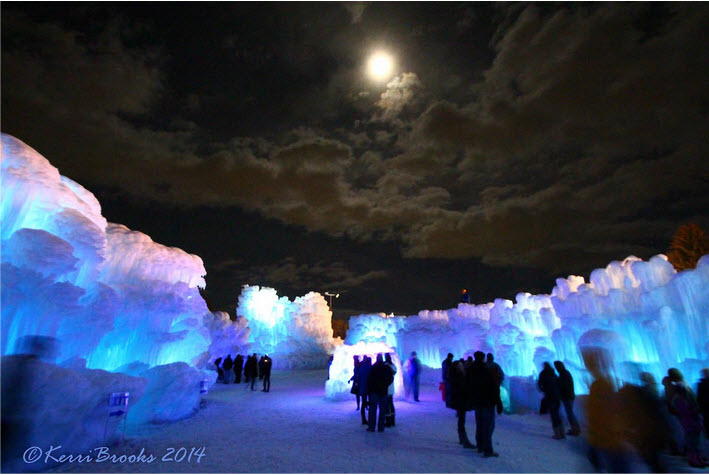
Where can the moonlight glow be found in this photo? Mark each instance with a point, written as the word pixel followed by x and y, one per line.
pixel 380 66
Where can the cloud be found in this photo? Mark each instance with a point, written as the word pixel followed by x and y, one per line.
pixel 571 143
pixel 333 276
pixel 355 9
pixel 584 134
pixel 402 91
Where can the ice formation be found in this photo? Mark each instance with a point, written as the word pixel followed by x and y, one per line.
pixel 117 301
pixel 296 334
pixel 228 337
pixel 109 295
pixel 648 316
pixel 100 298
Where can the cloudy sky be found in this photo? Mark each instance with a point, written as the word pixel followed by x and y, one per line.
pixel 509 144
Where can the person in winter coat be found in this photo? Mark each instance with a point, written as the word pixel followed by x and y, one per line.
pixel 362 376
pixel 548 383
pixel 648 429
pixel 483 397
pixel 567 396
pixel 247 368
pixel 499 378
pixel 355 380
pixel 445 369
pixel 414 370
pixel 261 367
pixel 238 367
pixel 390 420
pixel 460 400
pixel 703 399
pixel 228 364
pixel 378 381
pixel 220 371
pixel 267 363
pixel 676 431
pixel 251 370
pixel 605 416
pixel 684 404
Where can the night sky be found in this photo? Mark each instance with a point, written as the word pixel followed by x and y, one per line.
pixel 510 143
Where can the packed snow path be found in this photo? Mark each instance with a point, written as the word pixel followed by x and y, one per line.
pixel 294 429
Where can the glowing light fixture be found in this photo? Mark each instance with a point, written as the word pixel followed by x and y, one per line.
pixel 331 295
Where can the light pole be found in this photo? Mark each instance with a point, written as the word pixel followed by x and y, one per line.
pixel 331 295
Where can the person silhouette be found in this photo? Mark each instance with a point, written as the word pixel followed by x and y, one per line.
pixel 267 364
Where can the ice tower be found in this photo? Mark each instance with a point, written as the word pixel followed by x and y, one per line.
pixel 296 334
pixel 109 295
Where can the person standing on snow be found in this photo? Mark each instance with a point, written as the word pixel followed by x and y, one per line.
pixel 260 367
pixel 355 380
pixel 220 371
pixel 238 366
pixel 499 378
pixel 267 363
pixel 464 297
pixel 414 368
pixel 460 400
pixel 251 370
pixel 567 395
pixel 378 381
pixel 684 404
pixel 483 398
pixel 391 412
pixel 445 376
pixel 548 383
pixel 362 376
pixel 228 364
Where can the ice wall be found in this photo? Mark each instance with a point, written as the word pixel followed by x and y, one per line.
pixel 296 334
pixel 109 295
pixel 649 317
pixel 228 337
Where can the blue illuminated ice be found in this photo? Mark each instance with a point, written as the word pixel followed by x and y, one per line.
pixel 649 317
pixel 109 295
pixel 296 334
pixel 113 297
pixel 106 297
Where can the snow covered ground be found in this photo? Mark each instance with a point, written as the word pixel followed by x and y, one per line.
pixel 295 429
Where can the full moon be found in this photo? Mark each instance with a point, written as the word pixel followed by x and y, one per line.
pixel 380 66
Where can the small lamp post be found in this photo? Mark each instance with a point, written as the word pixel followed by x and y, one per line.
pixel 331 295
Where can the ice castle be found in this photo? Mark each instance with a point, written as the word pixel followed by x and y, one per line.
pixel 117 301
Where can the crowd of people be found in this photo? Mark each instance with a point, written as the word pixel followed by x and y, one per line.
pixel 473 384
pixel 618 418
pixel 641 419
pixel 373 384
pixel 634 417
pixel 558 390
pixel 230 370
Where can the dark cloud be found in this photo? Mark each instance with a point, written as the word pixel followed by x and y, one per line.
pixel 554 136
pixel 356 9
